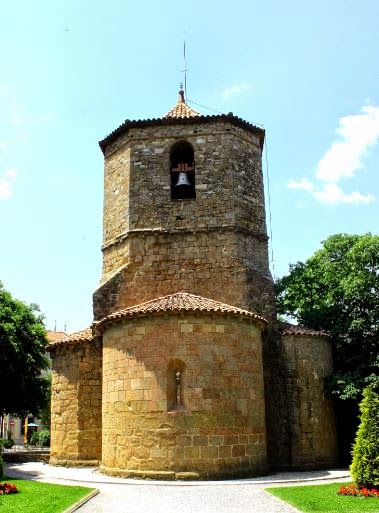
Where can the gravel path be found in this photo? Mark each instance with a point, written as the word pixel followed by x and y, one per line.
pixel 119 495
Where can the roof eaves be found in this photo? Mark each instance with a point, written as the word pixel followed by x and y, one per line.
pixel 142 123
pixel 301 331
pixel 166 305
pixel 73 338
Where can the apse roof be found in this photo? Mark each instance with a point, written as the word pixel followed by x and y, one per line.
pixel 73 338
pixel 181 114
pixel 292 329
pixel 52 336
pixel 178 302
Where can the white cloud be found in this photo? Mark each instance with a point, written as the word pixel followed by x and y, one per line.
pixel 344 158
pixel 332 194
pixel 235 89
pixel 6 183
pixel 304 184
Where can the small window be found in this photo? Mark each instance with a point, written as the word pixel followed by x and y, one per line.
pixel 175 385
pixel 182 171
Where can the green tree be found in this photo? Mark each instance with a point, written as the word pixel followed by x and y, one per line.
pixel 365 466
pixel 44 413
pixel 22 357
pixel 337 290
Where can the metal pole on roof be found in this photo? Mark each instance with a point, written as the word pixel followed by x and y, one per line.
pixel 185 69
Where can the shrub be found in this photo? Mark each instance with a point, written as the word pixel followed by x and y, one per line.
pixel 365 465
pixel 34 439
pixel 41 438
pixel 7 443
pixel 44 437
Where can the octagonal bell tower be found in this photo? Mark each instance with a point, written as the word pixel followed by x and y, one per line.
pixel 205 234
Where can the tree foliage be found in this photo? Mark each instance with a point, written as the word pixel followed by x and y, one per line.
pixel 337 290
pixel 365 466
pixel 22 357
pixel 44 413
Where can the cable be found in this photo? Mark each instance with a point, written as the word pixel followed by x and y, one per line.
pixel 269 212
pixel 204 107
pixel 218 111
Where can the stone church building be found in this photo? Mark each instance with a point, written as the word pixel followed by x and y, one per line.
pixel 185 372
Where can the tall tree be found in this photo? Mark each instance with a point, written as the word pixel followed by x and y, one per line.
pixel 337 290
pixel 22 357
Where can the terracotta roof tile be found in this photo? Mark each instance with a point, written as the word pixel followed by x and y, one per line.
pixel 73 338
pixel 180 301
pixel 53 336
pixel 292 329
pixel 169 120
pixel 181 109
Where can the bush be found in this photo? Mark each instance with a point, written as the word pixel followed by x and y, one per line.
pixel 41 438
pixel 34 439
pixel 365 465
pixel 44 437
pixel 7 443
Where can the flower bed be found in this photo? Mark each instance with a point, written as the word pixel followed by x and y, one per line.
pixel 7 488
pixel 358 492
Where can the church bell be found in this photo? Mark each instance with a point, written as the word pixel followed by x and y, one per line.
pixel 182 180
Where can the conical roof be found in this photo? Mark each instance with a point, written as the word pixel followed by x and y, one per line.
pixel 181 109
pixel 178 302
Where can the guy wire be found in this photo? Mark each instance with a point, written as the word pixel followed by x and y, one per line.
pixel 269 211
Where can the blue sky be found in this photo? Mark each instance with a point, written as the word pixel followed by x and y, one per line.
pixel 73 71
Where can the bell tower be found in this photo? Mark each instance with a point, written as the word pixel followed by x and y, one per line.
pixel 184 211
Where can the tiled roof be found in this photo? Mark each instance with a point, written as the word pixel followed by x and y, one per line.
pixel 174 120
pixel 73 338
pixel 53 336
pixel 181 109
pixel 180 301
pixel 292 329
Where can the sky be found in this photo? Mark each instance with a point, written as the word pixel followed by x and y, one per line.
pixel 73 71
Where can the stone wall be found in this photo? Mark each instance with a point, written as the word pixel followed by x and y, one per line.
pixel 277 419
pixel 76 404
pixel 313 441
pixel 200 262
pixel 155 246
pixel 26 456
pixel 228 180
pixel 218 430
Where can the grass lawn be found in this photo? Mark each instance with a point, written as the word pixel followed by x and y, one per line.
pixel 324 499
pixel 34 497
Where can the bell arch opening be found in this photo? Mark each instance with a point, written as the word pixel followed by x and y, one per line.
pixel 182 171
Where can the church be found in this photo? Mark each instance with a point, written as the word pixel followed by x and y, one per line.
pixel 185 372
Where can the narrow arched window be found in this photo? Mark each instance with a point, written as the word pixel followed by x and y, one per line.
pixel 182 171
pixel 175 385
